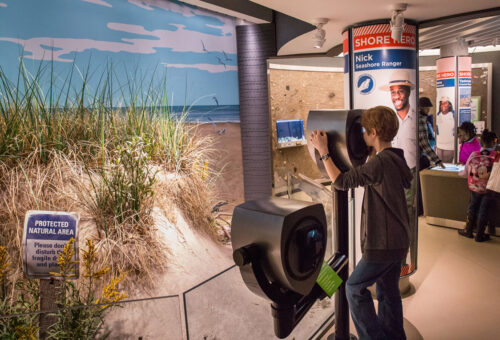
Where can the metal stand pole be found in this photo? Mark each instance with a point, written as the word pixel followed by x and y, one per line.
pixel 340 201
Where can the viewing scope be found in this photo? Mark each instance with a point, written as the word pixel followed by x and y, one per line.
pixel 279 245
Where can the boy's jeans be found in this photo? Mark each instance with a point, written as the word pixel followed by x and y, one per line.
pixel 389 322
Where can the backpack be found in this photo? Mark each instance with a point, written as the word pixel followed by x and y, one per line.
pixel 479 167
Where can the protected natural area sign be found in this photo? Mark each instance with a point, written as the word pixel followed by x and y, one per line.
pixel 45 235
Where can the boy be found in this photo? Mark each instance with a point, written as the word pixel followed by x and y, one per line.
pixel 385 233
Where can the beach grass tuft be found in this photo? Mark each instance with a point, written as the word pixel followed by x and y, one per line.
pixel 97 150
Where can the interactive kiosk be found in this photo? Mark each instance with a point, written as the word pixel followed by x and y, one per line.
pixel 279 244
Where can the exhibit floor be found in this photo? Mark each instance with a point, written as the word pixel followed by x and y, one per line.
pixel 455 291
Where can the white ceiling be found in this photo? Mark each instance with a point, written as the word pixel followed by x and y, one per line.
pixel 344 13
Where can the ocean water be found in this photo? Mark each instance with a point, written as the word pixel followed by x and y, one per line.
pixel 210 113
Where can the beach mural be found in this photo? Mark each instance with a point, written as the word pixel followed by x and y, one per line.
pixel 191 51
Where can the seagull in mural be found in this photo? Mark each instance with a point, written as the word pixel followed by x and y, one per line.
pixel 221 62
pixel 203 45
pixel 216 101
pixel 226 57
pixel 221 132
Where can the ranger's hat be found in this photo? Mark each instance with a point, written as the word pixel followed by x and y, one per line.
pixel 444 99
pixel 398 77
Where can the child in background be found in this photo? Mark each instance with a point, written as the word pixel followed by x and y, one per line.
pixel 468 141
pixel 478 170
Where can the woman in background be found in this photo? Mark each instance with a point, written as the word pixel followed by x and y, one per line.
pixel 468 141
pixel 445 131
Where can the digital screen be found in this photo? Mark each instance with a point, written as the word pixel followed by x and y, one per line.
pixel 449 167
pixel 290 132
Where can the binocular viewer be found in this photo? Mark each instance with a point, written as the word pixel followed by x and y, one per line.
pixel 280 244
pixel 345 137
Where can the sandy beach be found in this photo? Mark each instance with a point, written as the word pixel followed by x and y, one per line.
pixel 227 136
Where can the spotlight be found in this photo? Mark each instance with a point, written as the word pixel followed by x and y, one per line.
pixel 398 22
pixel 319 35
pixel 319 38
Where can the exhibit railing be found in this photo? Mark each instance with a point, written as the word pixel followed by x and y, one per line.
pixel 222 307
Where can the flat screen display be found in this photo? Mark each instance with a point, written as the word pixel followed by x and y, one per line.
pixel 290 133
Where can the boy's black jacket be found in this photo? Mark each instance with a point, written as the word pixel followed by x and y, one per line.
pixel 385 231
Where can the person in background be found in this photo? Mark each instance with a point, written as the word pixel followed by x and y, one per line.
pixel 425 105
pixel 445 130
pixel 468 141
pixel 385 231
pixel 424 131
pixel 478 169
pixel 427 154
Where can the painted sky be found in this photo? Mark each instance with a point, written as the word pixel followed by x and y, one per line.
pixel 140 39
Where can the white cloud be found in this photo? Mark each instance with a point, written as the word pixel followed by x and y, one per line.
pixel 185 10
pixel 98 2
pixel 3 4
pixel 67 45
pixel 141 4
pixel 205 67
pixel 180 40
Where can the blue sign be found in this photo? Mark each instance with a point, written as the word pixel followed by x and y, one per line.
pixel 384 59
pixel 46 234
pixel 450 82
pixel 464 82
pixel 465 115
pixel 365 84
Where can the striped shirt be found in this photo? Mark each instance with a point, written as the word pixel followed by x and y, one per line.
pixel 423 140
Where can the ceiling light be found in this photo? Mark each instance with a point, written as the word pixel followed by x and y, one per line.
pixel 398 22
pixel 319 35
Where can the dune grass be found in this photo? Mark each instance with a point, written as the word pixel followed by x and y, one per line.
pixel 65 147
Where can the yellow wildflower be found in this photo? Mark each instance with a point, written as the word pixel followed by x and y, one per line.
pixel 26 332
pixel 89 261
pixel 4 263
pixel 111 293
pixel 65 260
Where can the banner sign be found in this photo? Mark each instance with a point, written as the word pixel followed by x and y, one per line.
pixel 446 81
pixel 464 89
pixel 345 51
pixel 385 74
pixel 45 235
pixel 445 113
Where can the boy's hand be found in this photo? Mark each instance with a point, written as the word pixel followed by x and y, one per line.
pixel 320 141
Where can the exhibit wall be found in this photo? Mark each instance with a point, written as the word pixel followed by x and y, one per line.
pixel 187 51
pixel 292 94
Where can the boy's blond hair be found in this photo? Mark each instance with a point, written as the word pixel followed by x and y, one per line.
pixel 383 119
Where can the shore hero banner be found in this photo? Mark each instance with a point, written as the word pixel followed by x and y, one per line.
pixel 385 74
pixel 379 36
pixel 45 235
